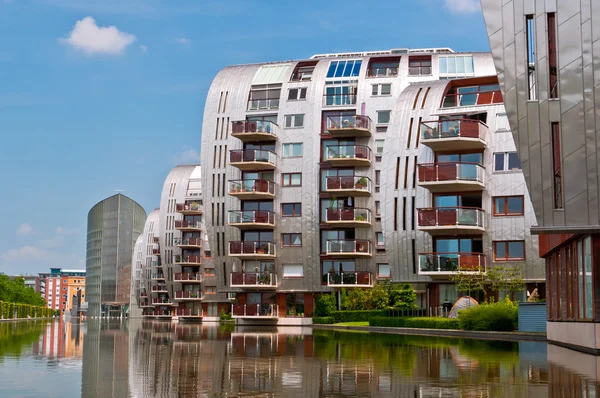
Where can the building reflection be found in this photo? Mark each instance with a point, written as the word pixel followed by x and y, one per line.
pixel 61 340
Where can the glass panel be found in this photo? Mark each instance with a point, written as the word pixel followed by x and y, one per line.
pixel 469 64
pixel 451 65
pixel 513 161
pixel 296 179
pixel 331 71
pixel 466 246
pixel 516 250
pixel 446 201
pixel 386 89
pixel 515 205
pixel 448 158
pixel 446 245
pixel 348 69
pixel 443 65
pixel 296 239
pixel 499 205
pixel 580 278
pixel 588 277
pixel 383 117
pixel 472 158
pixel 299 122
pixel 356 69
pixel 498 162
pixel 383 270
pixel 375 89
pixel 500 249
pixel 340 68
pixel 380 241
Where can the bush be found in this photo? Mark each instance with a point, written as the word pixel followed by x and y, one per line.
pixel 323 320
pixel 501 317
pixel 325 305
pixel 225 316
pixel 421 322
pixel 356 316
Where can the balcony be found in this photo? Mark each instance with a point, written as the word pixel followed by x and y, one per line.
pixel 187 277
pixel 159 314
pixel 348 126
pixel 146 304
pixel 156 252
pixel 252 189
pixel 189 209
pixel 252 250
pixel 255 311
pixel 159 289
pixel 156 263
pixel 188 243
pixel 253 280
pixel 255 219
pixel 452 220
pixel 157 277
pixel 188 260
pixel 263 104
pixel 189 313
pixel 188 296
pixel 454 134
pixel 348 185
pixel 161 301
pixel 351 217
pixel 252 159
pixel 184 225
pixel 451 177
pixel 349 248
pixel 349 279
pixel 390 71
pixel 256 130
pixel 348 155
pixel 445 264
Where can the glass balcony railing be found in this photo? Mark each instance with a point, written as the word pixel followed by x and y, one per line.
pixel 382 72
pixel 183 224
pixel 159 288
pixel 250 217
pixel 451 262
pixel 452 129
pixel 264 103
pixel 451 217
pixel 349 246
pixel 255 310
pixel 251 248
pixel 451 172
pixel 193 207
pixel 187 277
pixel 157 276
pixel 196 242
pixel 348 183
pixel 347 122
pixel 350 279
pixel 258 187
pixel 252 156
pixel 159 300
pixel 191 312
pixel 182 295
pixel 253 279
pixel 348 214
pixel 251 127
pixel 348 152
pixel 179 259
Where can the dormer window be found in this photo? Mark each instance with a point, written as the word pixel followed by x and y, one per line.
pixel 303 71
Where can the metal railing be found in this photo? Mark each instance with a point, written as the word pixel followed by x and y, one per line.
pixel 357 278
pixel 179 207
pixel 340 122
pixel 185 294
pixel 382 72
pixel 348 214
pixel 254 310
pixel 161 301
pixel 159 288
pixel 187 277
pixel 251 217
pixel 346 152
pixel 190 312
pixel 182 224
pixel 451 216
pixel 252 155
pixel 453 128
pixel 473 98
pixel 344 183
pixel 451 171
pixel 157 276
pixel 251 186
pixel 194 259
pixel 253 126
pixel 419 70
pixel 452 262
pixel 251 248
pixel 349 246
pixel 265 103
pixel 252 279
pixel 187 241
pixel 339 99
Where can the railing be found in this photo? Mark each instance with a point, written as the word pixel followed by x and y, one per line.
pixel 159 313
pixel 472 98
pixel 254 126
pixel 382 72
pixel 349 278
pixel 452 262
pixel 156 263
pixel 251 248
pixel 348 214
pixel 451 216
pixel 187 276
pixel 194 259
pixel 453 128
pixel 349 246
pixel 255 310
pixel 189 312
pixel 188 224
pixel 451 171
pixel 159 288
pixel 179 207
pixel 419 70
pixel 253 279
pixel 184 294
pixel 249 186
pixel 348 122
pixel 340 152
pixel 265 103
pixel 359 183
pixel 252 155
pixel 187 241
pixel 157 276
pixel 161 301
pixel 339 99
pixel 251 217
pixel 156 252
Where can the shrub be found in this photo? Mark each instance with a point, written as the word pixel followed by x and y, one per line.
pixel 225 316
pixel 420 322
pixel 502 317
pixel 378 298
pixel 325 305
pixel 357 316
pixel 323 320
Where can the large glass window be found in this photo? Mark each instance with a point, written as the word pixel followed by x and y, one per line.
pixel 340 93
pixel 506 161
pixel 265 96
pixel 292 150
pixel 349 68
pixel 509 250
pixel 294 121
pixel 291 209
pixel 456 65
pixel 508 205
pixel 384 271
pixel 383 117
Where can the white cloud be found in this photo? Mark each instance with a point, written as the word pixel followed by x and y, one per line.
pixel 144 48
pixel 463 6
pixel 25 229
pixel 66 231
pixel 92 39
pixel 183 40
pixel 32 260
pixel 187 156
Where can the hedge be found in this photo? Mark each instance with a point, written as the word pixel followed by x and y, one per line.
pixel 9 310
pixel 323 320
pixel 421 322
pixel 357 316
pixel 500 317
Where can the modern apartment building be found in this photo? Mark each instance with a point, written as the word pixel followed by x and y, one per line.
pixel 64 289
pixel 546 58
pixel 114 225
pixel 342 170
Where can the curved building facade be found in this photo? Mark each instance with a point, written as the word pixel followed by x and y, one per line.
pixel 113 227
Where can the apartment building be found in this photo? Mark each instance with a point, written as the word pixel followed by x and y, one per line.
pixel 546 58
pixel 64 289
pixel 342 170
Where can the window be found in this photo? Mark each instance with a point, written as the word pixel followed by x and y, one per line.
pixel 303 71
pixel 456 65
pixel 506 161
pixel 265 96
pixel 483 94
pixel 379 146
pixel 297 94
pixel 380 241
pixel 381 89
pixel 291 209
pixel 291 179
pixel 210 290
pixel 207 254
pixel 508 205
pixel 384 271
pixel 556 166
pixel 294 121
pixel 383 67
pixel 377 208
pixel 344 68
pixel 292 150
pixel 64 289
pixel 377 177
pixel 293 271
pixel 509 250
pixel 291 240
pixel 530 37
pixel 383 117
pixel 340 93
pixel 553 70
pixel 419 65
pixel 502 122
pixel 209 272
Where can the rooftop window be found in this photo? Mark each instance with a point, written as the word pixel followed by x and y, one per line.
pixel 456 65
pixel 264 96
pixel 344 69
pixel 383 67
pixel 483 94
pixel 419 65
pixel 303 71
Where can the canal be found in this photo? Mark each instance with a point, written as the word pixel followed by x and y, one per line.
pixel 160 359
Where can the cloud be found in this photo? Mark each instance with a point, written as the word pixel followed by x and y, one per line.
pixel 24 229
pixel 183 40
pixel 66 231
pixel 463 6
pixel 52 243
pixel 92 39
pixel 32 260
pixel 144 48
pixel 187 156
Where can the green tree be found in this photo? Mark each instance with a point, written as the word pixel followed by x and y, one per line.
pixel 469 281
pixel 325 304
pixel 13 290
pixel 506 278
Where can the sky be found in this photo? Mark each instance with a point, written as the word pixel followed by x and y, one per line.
pixel 104 95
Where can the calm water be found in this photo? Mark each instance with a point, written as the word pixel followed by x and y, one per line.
pixel 156 359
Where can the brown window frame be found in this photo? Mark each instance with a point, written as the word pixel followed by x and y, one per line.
pixel 506 242
pixel 290 234
pixel 289 175
pixel 294 214
pixel 213 290
pixel 506 213
pixel 214 272
pixel 384 277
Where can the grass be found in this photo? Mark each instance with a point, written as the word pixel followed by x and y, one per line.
pixel 361 323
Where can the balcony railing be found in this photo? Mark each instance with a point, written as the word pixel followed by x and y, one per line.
pixel 182 295
pixel 474 98
pixel 188 208
pixel 198 313
pixel 265 103
pixel 339 99
pixel 157 276
pixel 350 279
pixel 251 217
pixel 251 248
pixel 382 72
pixel 342 124
pixel 350 184
pixel 358 247
pixel 163 301
pixel 187 277
pixel 159 288
pixel 432 263
pixel 251 157
pixel 184 224
pixel 195 242
pixel 156 263
pixel 348 153
pixel 253 279
pixel 156 252
pixel 194 259
pixel 255 310
pixel 419 70
pixel 257 187
pixel 451 216
pixel 348 215
pixel 254 130
pixel 451 172
pixel 464 133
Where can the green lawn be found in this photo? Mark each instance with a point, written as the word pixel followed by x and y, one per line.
pixel 364 323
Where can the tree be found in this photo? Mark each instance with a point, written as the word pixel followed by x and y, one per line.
pixel 506 278
pixel 325 304
pixel 13 290
pixel 469 280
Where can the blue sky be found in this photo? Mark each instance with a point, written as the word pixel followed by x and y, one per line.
pixel 86 110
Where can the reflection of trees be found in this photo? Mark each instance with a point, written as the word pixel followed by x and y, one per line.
pixel 17 336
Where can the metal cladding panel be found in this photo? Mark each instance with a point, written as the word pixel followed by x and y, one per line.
pixel 136 276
